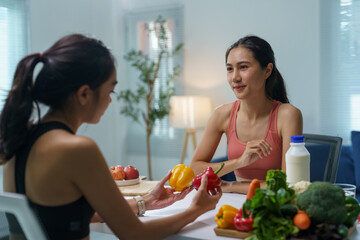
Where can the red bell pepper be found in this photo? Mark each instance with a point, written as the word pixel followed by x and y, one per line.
pixel 243 224
pixel 213 180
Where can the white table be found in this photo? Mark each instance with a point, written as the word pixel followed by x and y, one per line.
pixel 202 227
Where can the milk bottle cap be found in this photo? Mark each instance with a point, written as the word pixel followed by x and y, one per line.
pixel 297 139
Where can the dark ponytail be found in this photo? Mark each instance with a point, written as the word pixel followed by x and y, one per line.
pixel 18 108
pixel 275 87
pixel 73 61
pixel 263 53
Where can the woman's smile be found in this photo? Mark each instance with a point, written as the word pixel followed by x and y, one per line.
pixel 239 88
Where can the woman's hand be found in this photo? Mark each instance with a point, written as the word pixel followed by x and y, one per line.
pixel 161 196
pixel 254 150
pixel 227 186
pixel 204 200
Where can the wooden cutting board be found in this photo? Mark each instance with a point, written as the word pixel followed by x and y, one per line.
pixel 237 234
pixel 231 233
pixel 142 188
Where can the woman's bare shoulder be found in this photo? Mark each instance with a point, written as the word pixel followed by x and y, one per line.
pixel 80 145
pixel 70 148
pixel 67 141
pixel 289 116
pixel 287 110
pixel 223 110
pixel 221 116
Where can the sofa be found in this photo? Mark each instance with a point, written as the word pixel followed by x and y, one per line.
pixel 348 167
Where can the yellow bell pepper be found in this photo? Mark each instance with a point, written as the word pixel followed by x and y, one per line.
pixel 181 177
pixel 225 217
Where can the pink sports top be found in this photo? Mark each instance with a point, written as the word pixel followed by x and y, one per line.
pixel 236 148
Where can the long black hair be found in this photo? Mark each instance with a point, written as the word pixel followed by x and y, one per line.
pixel 263 53
pixel 73 61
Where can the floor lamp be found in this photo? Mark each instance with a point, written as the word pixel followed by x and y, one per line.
pixel 189 113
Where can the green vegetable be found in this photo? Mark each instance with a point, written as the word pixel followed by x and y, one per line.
pixel 276 179
pixel 342 230
pixel 352 211
pixel 288 210
pixel 269 220
pixel 351 200
pixel 323 202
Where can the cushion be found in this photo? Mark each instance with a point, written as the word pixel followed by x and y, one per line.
pixel 355 141
pixel 318 158
pixel 346 172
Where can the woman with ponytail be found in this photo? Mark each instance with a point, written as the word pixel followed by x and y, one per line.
pixel 65 176
pixel 259 125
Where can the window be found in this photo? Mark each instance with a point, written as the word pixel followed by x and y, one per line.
pixel 339 67
pixel 148 43
pixel 13 41
pixel 138 38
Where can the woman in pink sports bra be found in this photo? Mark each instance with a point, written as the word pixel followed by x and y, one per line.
pixel 258 125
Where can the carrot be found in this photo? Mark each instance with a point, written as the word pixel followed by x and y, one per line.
pixel 255 183
pixel 302 220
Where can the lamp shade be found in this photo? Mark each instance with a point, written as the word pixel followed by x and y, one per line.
pixel 189 112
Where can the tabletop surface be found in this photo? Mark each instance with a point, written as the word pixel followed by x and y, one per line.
pixel 203 226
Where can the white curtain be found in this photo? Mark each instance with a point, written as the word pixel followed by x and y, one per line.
pixel 13 41
pixel 340 67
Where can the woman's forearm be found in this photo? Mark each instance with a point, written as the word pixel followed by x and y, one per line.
pixel 200 166
pixel 132 203
pixel 238 187
pixel 164 227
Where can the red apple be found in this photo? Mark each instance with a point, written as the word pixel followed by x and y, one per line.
pixel 117 172
pixel 131 172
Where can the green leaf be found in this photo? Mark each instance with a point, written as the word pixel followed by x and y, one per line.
pixel 284 196
pixel 133 102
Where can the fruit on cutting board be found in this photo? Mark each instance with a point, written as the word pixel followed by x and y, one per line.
pixel 117 172
pixel 131 172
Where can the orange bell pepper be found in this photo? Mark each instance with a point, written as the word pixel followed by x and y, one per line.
pixel 225 217
pixel 181 177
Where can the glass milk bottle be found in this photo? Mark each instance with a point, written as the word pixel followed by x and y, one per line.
pixel 297 160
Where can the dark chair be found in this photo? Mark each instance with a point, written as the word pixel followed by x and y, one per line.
pixel 324 156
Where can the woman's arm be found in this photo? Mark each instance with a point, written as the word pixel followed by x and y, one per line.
pixel 290 123
pixel 89 171
pixel 216 126
pixel 132 204
pixel 238 187
pixel 204 152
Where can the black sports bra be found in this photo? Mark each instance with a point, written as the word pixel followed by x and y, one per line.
pixel 69 221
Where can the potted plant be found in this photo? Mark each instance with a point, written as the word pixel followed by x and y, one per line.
pixel 156 107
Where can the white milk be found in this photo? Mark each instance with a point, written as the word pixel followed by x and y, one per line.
pixel 297 161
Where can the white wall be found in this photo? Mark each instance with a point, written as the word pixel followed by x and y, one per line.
pixel 291 27
pixel 50 20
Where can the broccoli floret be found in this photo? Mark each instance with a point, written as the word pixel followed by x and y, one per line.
pixel 323 202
